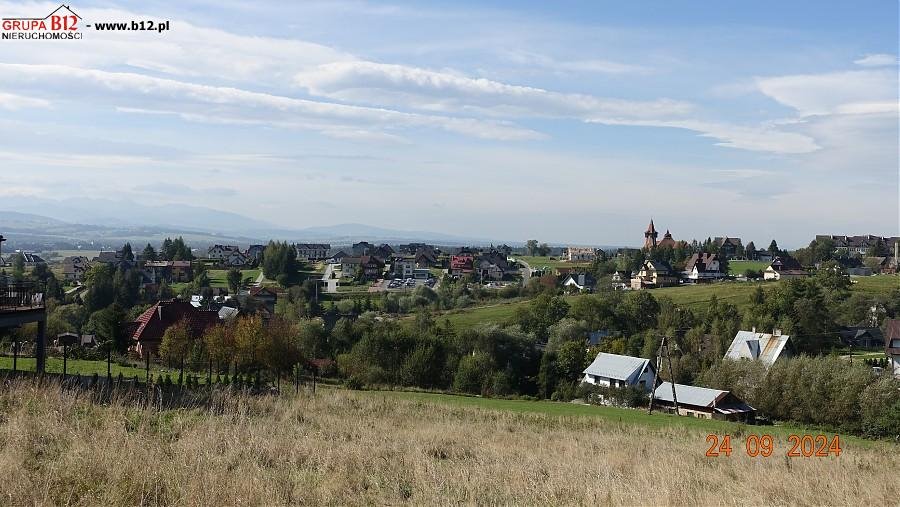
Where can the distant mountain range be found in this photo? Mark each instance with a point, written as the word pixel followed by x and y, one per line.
pixel 34 221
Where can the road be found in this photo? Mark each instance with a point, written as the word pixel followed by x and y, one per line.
pixel 330 283
pixel 259 280
pixel 526 272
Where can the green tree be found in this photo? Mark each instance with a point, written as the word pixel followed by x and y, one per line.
pixel 544 311
pixel 127 254
pixel 149 253
pixel 234 280
pixel 107 325
pixel 18 263
pixel 176 344
pixel 101 292
pixel 279 262
pixel 572 359
pixel 531 245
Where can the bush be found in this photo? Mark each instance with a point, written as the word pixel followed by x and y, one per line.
pixel 353 382
pixel 631 396
pixel 879 407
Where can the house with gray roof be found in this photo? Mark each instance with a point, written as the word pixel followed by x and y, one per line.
pixel 613 370
pixel 764 347
pixel 704 403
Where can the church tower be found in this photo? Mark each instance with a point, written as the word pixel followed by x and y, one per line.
pixel 650 236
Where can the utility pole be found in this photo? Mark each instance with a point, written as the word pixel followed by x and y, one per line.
pixel 663 346
pixel 655 378
pixel 671 374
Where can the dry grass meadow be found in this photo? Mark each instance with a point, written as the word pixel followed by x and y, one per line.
pixel 350 448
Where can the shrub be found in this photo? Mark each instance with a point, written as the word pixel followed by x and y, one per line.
pixel 631 396
pixel 353 382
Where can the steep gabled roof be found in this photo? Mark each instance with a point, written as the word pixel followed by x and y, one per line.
pixel 152 324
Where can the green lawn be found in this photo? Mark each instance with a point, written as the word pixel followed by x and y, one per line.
pixel 219 277
pixel 467 318
pixel 875 285
pixel 612 414
pixel 737 268
pixel 690 296
pixel 87 367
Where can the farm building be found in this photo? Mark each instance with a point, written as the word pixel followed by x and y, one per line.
pixel 784 268
pixel 704 403
pixel 613 370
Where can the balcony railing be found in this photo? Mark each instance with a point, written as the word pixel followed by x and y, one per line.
pixel 20 296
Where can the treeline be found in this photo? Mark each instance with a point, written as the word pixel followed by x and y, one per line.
pixel 821 391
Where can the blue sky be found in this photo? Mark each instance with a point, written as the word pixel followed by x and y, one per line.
pixel 563 121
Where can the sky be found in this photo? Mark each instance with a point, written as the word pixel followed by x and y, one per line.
pixel 568 122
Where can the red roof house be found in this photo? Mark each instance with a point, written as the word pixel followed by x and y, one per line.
pixel 148 329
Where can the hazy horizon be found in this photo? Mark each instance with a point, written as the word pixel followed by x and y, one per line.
pixel 564 122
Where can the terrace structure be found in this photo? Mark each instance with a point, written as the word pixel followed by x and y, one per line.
pixel 23 303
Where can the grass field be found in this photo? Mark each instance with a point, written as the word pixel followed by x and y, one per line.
pixel 219 277
pixel 875 285
pixel 691 296
pixel 88 367
pixel 737 268
pixel 350 448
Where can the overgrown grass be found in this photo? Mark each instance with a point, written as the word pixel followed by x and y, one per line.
pixel 616 415
pixel 348 448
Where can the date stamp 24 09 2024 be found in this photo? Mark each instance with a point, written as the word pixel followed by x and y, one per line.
pixel 799 446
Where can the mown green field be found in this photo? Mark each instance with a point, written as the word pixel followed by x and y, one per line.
pixel 219 277
pixel 691 296
pixel 875 285
pixel 88 367
pixel 737 268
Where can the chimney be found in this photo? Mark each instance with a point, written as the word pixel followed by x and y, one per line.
pixel 754 330
pixel 776 332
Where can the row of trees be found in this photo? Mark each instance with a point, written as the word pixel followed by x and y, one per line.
pixel 246 344
pixel 823 391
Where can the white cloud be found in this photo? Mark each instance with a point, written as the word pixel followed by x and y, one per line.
pixel 590 65
pixel 764 138
pixel 380 83
pixel 872 91
pixel 14 102
pixel 877 60
pixel 133 92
